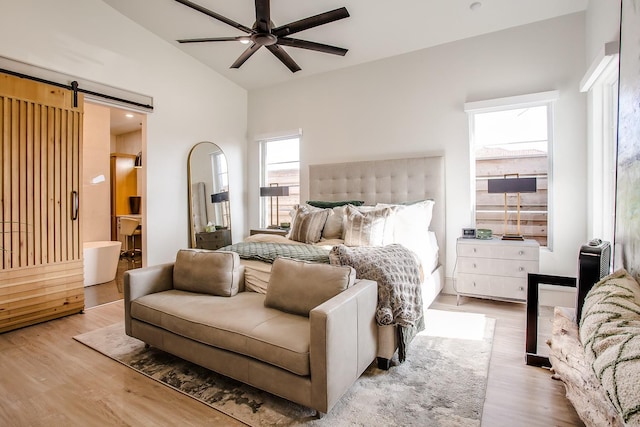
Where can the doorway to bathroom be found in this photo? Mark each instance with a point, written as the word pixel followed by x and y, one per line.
pixel 113 195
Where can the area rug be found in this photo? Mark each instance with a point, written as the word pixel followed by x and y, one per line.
pixel 442 382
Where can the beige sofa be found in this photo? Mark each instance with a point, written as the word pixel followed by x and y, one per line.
pixel 307 340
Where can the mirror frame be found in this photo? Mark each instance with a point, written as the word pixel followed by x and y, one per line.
pixel 192 235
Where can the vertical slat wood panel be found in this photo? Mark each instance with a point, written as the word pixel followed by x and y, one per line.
pixel 15 195
pixel 57 178
pixel 62 205
pixel 4 186
pixel 37 184
pixel 50 213
pixel 42 271
pixel 22 182
pixel 76 167
pixel 29 238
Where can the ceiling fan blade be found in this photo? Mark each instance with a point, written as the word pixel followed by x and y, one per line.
pixel 310 22
pixel 284 57
pixel 214 15
pixel 319 47
pixel 263 16
pixel 212 39
pixel 245 55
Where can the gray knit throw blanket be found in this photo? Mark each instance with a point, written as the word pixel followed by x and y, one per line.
pixel 397 272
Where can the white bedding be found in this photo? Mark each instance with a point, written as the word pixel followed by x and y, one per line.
pixel 257 272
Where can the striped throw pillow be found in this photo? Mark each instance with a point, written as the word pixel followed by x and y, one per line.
pixel 307 224
pixel 370 228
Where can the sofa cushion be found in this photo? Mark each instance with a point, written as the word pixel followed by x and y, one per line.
pixel 207 272
pixel 241 324
pixel 299 286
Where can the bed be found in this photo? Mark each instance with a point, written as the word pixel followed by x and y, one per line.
pixel 408 185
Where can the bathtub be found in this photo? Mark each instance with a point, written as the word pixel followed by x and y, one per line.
pixel 100 261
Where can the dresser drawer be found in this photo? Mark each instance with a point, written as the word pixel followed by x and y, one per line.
pixel 492 286
pixel 480 250
pixel 497 267
pixel 213 240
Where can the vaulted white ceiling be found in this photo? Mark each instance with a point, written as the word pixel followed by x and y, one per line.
pixel 376 29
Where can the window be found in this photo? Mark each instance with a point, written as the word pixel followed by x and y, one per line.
pixel 511 137
pixel 601 81
pixel 280 159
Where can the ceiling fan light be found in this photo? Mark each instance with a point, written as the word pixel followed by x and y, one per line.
pixel 244 40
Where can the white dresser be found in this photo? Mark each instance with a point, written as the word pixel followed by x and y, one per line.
pixel 495 268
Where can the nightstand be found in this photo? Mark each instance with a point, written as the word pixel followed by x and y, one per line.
pixel 278 231
pixel 213 240
pixel 494 268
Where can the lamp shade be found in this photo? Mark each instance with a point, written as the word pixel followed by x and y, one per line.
pixel 512 185
pixel 274 191
pixel 220 197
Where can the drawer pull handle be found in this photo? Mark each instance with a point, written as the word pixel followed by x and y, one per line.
pixel 475 250
pixel 521 288
pixel 474 284
pixel 474 265
pixel 521 268
pixel 521 253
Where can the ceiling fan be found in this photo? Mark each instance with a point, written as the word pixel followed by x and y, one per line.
pixel 263 33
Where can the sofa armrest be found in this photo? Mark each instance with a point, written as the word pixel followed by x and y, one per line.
pixel 343 342
pixel 143 281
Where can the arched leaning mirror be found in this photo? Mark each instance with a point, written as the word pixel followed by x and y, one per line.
pixel 209 213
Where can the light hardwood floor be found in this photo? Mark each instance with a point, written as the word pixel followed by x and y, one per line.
pixel 49 379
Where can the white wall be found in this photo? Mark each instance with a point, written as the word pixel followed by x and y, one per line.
pixel 96 208
pixel 90 40
pixel 602 26
pixel 413 104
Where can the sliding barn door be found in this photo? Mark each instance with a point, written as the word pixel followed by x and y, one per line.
pixel 41 245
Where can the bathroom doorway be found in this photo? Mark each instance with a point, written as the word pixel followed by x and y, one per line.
pixel 113 192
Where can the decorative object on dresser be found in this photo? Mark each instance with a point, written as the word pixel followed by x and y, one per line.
pixel 214 239
pixel 495 269
pixel 469 233
pixel 515 185
pixel 274 190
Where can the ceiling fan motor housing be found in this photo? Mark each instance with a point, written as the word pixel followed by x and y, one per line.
pixel 264 39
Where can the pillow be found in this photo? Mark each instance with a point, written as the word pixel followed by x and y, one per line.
pixel 411 226
pixel 299 286
pixel 417 213
pixel 334 228
pixel 371 228
pixel 610 334
pixel 330 205
pixel 207 272
pixel 307 224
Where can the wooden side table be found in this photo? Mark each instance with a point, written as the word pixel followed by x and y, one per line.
pixel 277 231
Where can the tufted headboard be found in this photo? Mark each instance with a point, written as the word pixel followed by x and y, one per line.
pixel 385 181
